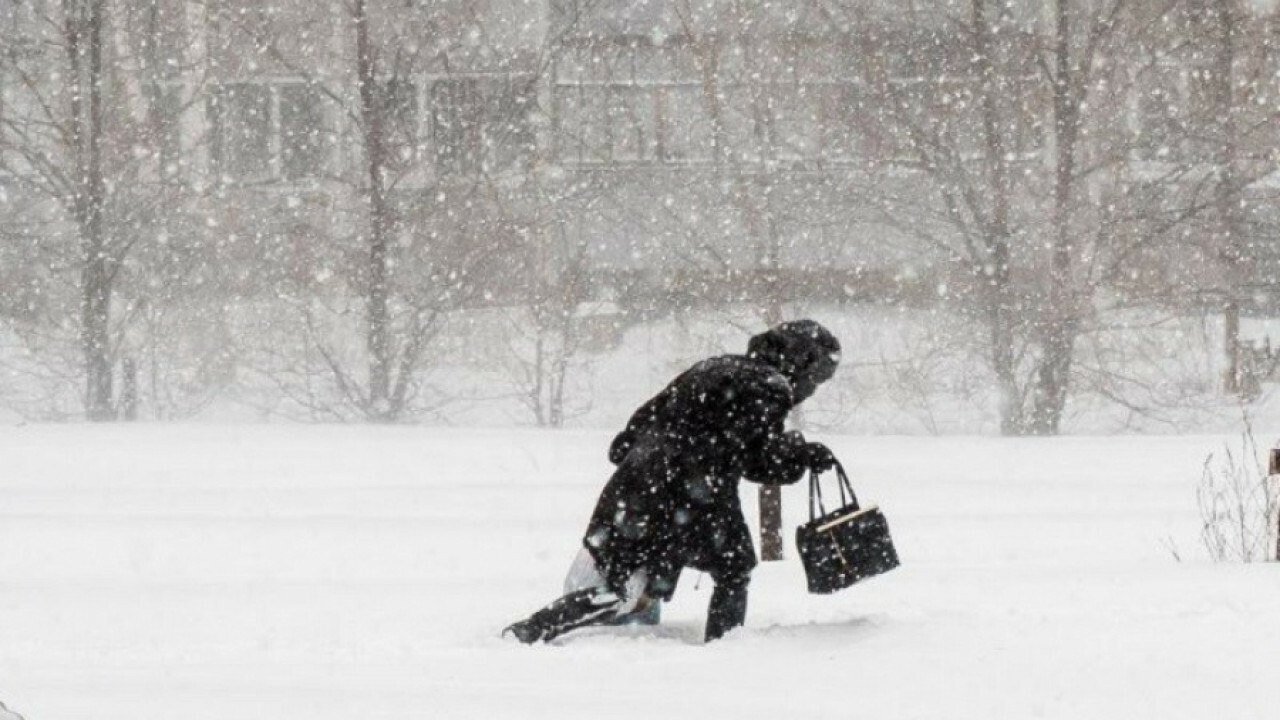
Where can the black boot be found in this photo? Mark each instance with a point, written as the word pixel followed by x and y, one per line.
pixel 593 606
pixel 526 631
pixel 728 609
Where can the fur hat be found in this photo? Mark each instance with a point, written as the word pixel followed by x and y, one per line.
pixel 802 350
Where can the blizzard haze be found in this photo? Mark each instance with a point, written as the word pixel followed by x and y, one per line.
pixel 317 321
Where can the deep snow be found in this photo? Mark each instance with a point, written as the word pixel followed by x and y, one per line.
pixel 288 572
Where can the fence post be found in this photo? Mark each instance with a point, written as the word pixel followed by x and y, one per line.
pixel 1273 505
pixel 1273 499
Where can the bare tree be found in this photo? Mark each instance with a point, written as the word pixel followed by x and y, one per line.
pixel 81 137
pixel 1233 72
pixel 53 139
pixel 1208 139
pixel 991 110
pixel 424 116
pixel 551 323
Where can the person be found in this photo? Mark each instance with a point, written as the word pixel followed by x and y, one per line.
pixel 672 501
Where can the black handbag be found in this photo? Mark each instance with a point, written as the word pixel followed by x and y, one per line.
pixel 841 547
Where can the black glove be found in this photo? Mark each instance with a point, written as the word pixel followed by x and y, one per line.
pixel 818 457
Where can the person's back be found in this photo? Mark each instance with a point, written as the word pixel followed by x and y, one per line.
pixel 720 410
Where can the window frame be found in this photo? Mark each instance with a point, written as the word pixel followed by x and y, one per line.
pixel 275 170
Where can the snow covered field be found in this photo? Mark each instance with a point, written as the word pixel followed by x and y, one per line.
pixel 290 572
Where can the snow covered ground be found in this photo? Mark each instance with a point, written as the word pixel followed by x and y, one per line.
pixel 289 572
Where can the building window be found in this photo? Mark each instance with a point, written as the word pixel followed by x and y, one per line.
pixel 20 29
pixel 1204 114
pixel 481 123
pixel 267 132
pixel 163 30
pixel 743 139
pixel 241 120
pixel 1159 127
pixel 302 152
pixel 455 125
pixel 794 113
pixel 398 101
pixel 631 124
pixel 843 123
pixel 686 125
pixel 584 123
pixel 671 123
pixel 508 128
pixel 167 112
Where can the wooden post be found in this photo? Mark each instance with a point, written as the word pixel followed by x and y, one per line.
pixel 771 547
pixel 1273 505
pixel 1275 517
pixel 770 523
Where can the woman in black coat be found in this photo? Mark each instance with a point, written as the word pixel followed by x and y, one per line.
pixel 673 500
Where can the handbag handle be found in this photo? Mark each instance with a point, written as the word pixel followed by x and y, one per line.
pixel 847 498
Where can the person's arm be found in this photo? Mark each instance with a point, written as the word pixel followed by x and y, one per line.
pixel 780 459
pixel 784 458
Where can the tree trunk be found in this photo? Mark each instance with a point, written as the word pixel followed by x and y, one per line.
pixel 1059 324
pixel 1053 377
pixel 1231 238
pixel 539 377
pixel 560 369
pixel 84 23
pixel 996 266
pixel 95 334
pixel 1003 366
pixel 377 299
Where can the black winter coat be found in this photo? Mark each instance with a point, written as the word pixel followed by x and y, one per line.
pixel 673 500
